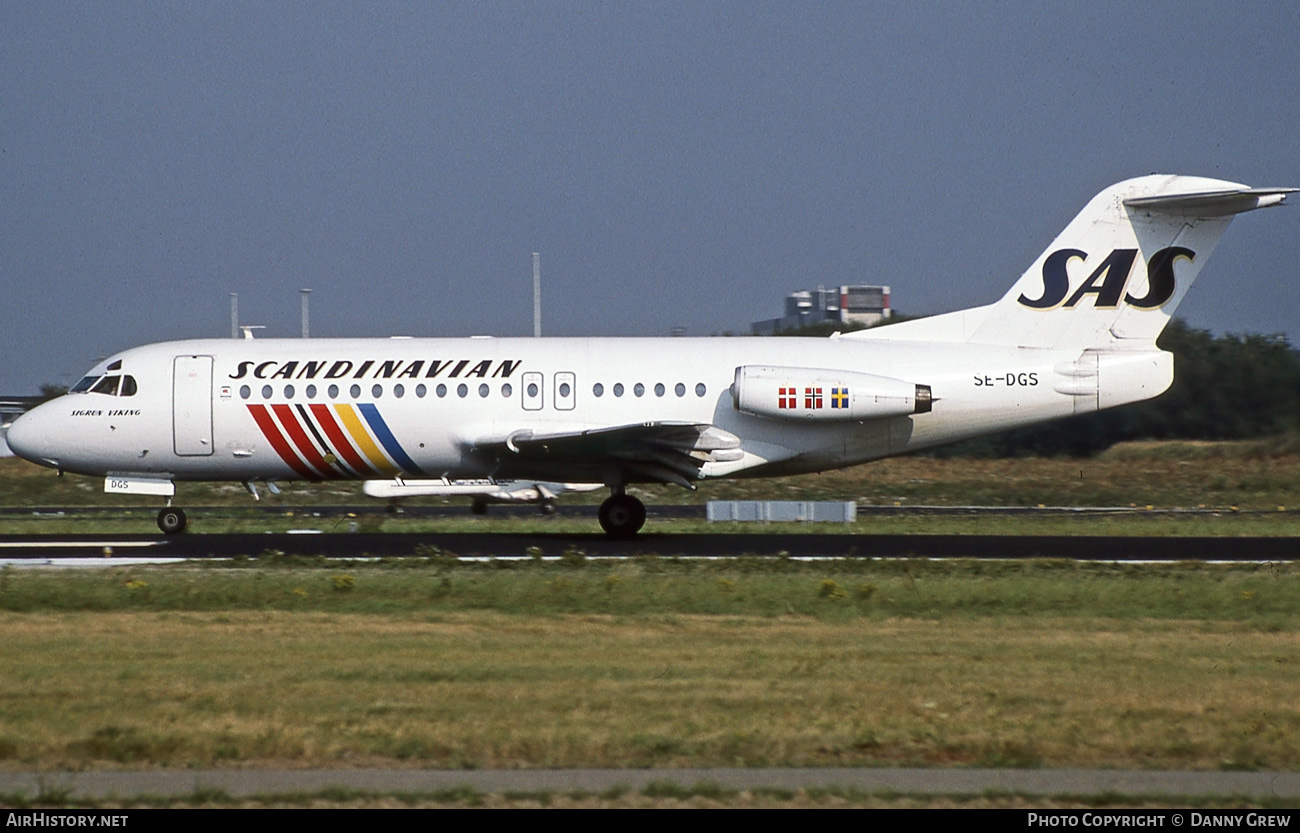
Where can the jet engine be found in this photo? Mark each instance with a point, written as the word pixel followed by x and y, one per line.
pixel 819 394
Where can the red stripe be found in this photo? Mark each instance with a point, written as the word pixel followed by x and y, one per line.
pixel 325 419
pixel 305 446
pixel 276 439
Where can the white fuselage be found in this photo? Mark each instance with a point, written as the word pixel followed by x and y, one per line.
pixel 364 408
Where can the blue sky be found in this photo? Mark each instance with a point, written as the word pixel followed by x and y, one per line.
pixel 676 164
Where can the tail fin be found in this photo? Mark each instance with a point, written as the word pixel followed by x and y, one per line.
pixel 1113 277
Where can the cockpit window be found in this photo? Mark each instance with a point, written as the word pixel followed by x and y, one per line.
pixel 115 385
pixel 107 385
pixel 112 385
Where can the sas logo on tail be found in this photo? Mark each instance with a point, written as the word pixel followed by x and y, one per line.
pixel 1108 280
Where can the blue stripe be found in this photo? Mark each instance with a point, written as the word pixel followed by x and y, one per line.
pixel 387 440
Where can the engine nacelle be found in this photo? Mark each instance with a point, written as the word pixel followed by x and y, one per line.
pixel 810 393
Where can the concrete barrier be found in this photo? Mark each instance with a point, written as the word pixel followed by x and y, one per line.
pixel 783 511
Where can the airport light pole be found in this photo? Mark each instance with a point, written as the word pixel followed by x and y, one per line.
pixel 537 294
pixel 304 293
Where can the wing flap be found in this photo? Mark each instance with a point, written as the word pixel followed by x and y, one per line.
pixel 668 452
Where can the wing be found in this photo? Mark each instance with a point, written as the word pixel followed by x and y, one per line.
pixel 665 452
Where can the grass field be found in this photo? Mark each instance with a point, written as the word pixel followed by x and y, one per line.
pixel 655 662
pixel 1244 483
pixel 1246 475
pixel 652 663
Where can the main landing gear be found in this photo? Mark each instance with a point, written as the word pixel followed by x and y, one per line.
pixel 621 515
pixel 171 520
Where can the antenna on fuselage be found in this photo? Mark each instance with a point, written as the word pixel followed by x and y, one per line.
pixel 248 329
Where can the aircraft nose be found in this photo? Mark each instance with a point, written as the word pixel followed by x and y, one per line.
pixel 27 438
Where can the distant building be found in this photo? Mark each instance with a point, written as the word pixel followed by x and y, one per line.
pixel 10 408
pixel 852 305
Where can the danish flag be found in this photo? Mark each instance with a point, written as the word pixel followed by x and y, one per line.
pixel 787 398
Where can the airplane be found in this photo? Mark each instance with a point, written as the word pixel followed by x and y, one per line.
pixel 1075 333
pixel 483 491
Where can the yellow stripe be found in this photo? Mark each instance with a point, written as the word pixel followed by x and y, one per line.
pixel 362 439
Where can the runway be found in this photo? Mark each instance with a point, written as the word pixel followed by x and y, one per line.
pixel 595 545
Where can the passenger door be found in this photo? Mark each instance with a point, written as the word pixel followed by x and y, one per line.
pixel 534 394
pixel 192 406
pixel 566 391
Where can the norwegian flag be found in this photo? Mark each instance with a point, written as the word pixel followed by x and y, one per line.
pixel 787 398
pixel 812 398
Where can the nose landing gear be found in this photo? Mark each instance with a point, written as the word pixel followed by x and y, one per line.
pixel 171 520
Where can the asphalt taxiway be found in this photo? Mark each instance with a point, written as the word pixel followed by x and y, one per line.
pixel 938 781
pixel 595 545
pixel 771 541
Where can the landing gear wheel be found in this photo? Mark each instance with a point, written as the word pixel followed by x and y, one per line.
pixel 622 516
pixel 546 507
pixel 479 506
pixel 171 520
